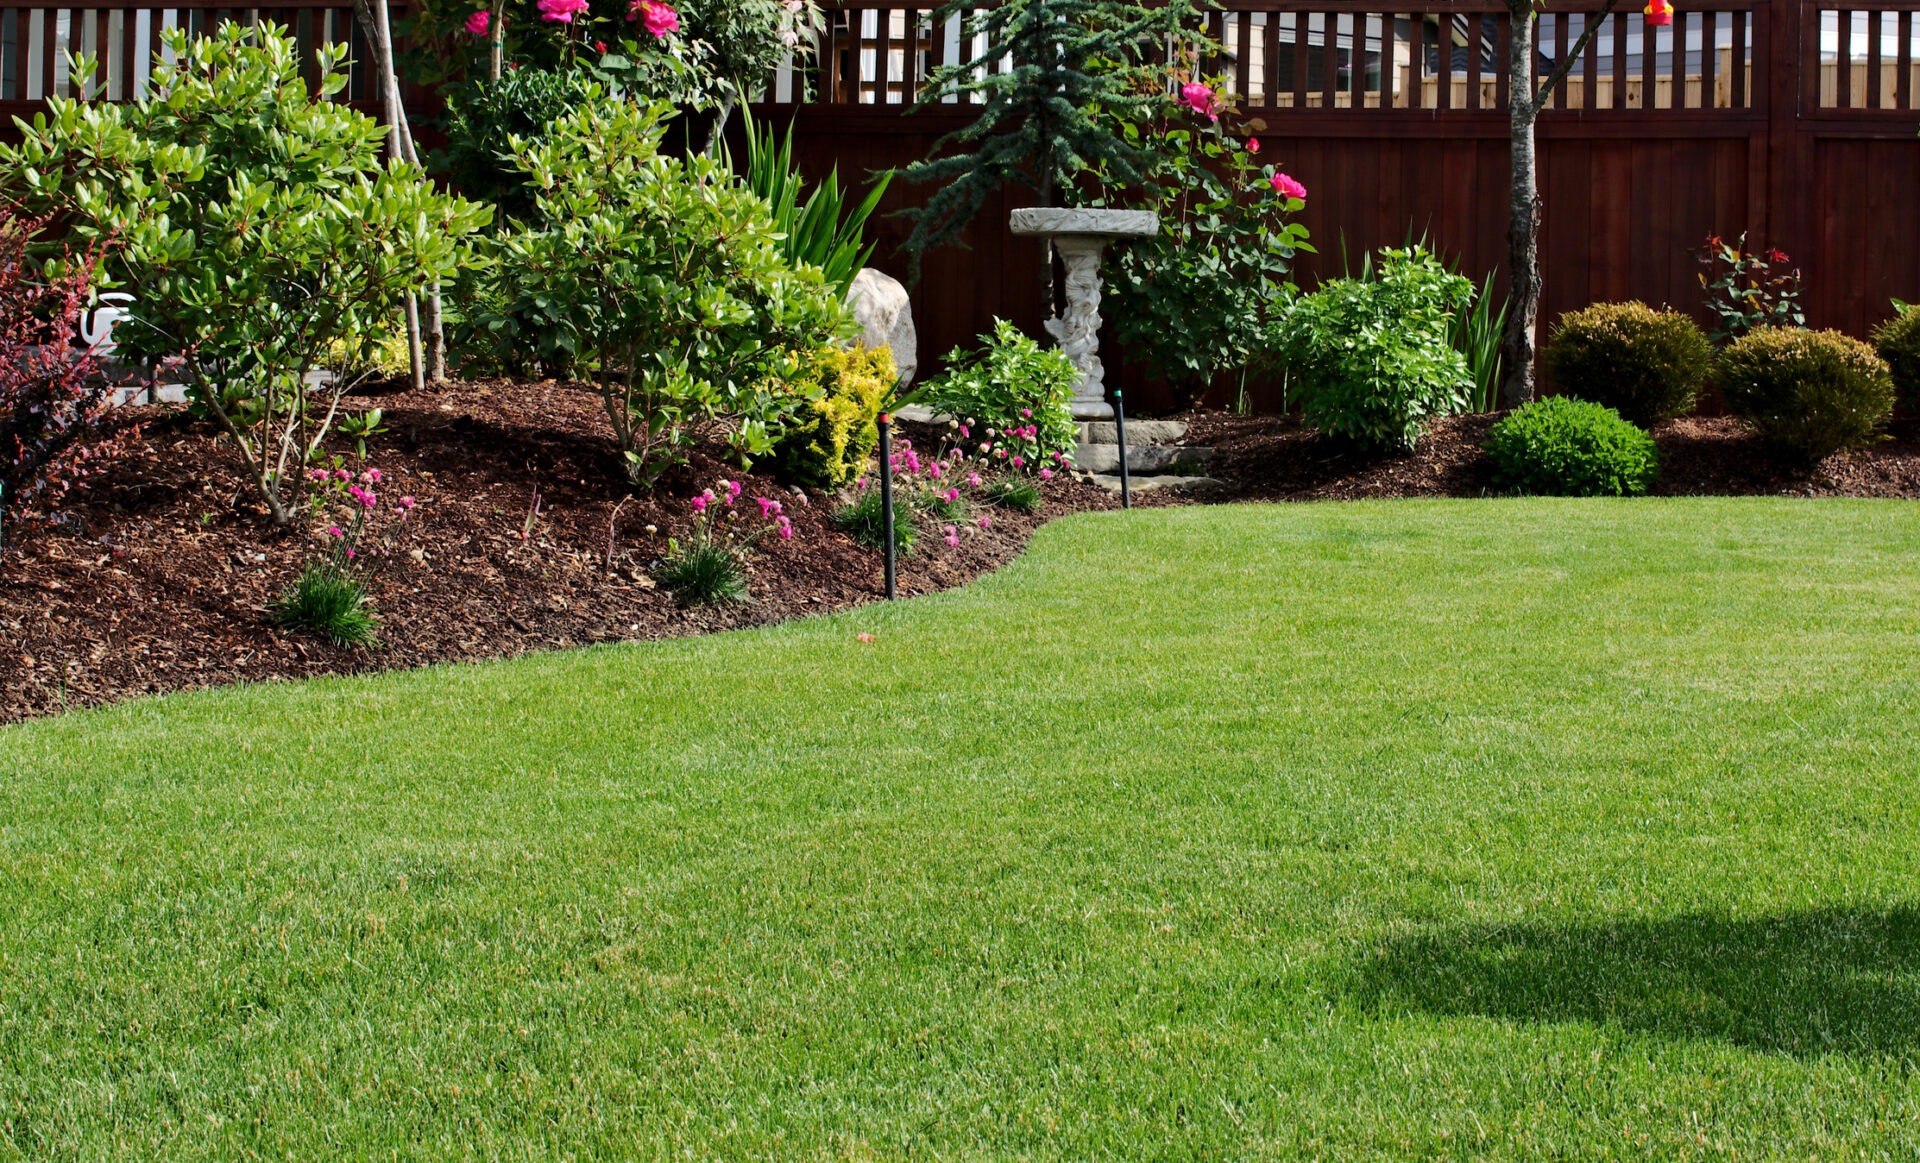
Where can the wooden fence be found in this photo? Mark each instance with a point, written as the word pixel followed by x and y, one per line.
pixel 1792 120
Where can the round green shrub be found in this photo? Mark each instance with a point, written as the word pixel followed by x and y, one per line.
pixel 1646 364
pixel 1565 447
pixel 1898 342
pixel 1810 394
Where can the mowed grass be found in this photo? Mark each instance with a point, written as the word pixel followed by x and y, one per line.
pixel 1490 829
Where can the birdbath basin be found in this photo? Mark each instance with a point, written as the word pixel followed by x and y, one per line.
pixel 1080 237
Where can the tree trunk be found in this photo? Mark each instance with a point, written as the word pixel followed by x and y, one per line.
pixel 497 40
pixel 373 15
pixel 1523 221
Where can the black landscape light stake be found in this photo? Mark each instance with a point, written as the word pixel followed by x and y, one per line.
pixel 1120 430
pixel 886 498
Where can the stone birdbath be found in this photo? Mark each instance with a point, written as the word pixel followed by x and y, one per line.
pixel 1080 237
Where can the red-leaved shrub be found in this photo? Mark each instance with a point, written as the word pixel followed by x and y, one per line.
pixel 52 396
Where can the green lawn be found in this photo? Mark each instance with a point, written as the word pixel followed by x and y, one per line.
pixel 1509 829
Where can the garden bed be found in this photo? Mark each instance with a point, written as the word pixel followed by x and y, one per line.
pixel 163 581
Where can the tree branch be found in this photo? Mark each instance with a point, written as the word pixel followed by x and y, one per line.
pixel 1563 68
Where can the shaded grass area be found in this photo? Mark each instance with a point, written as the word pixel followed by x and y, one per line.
pixel 1518 829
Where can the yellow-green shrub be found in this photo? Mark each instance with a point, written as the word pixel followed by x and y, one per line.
pixel 831 435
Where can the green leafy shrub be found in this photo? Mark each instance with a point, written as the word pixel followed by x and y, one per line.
pixel 1645 364
pixel 664 279
pixel 1809 394
pixel 255 225
pixel 1012 396
pixel 1747 288
pixel 864 520
pixel 832 432
pixel 483 119
pixel 1566 447
pixel 1372 359
pixel 1898 342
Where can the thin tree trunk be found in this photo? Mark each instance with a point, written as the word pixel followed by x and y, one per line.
pixel 373 15
pixel 1523 221
pixel 497 40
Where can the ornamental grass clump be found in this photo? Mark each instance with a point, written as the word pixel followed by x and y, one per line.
pixel 1809 394
pixel 710 567
pixel 1898 342
pixel 1564 447
pixel 329 598
pixel 1647 365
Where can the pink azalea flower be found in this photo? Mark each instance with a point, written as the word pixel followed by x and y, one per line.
pixel 479 22
pixel 659 18
pixel 560 11
pixel 1287 187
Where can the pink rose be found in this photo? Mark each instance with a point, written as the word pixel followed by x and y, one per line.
pixel 560 11
pixel 1253 145
pixel 1286 187
pixel 659 18
pixel 479 22
pixel 1200 99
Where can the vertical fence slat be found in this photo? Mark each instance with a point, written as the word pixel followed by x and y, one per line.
pixel 1270 37
pixel 1443 61
pixel 1357 62
pixel 1417 78
pixel 882 55
pixel 1243 55
pixel 1389 53
pixel 1843 62
pixel 1903 64
pixel 1876 27
pixel 1299 60
pixel 1503 48
pixel 1329 59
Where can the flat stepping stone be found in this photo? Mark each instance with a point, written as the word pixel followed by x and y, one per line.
pixel 1147 484
pixel 1138 432
pixel 1105 458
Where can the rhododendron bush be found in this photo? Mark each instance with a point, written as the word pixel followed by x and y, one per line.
pixel 255 226
pixel 664 279
pixel 1193 302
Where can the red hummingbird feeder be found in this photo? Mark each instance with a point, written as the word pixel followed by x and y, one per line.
pixel 1659 14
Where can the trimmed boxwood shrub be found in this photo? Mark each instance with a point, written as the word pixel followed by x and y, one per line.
pixel 1898 342
pixel 831 435
pixel 1810 394
pixel 1645 364
pixel 1565 447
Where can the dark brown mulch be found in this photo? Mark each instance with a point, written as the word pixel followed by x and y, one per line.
pixel 164 580
pixel 1277 458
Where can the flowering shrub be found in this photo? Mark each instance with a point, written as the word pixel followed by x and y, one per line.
pixel 711 567
pixel 1372 359
pixel 942 489
pixel 1012 400
pixel 1565 447
pixel 52 400
pixel 1194 301
pixel 255 225
pixel 1744 289
pixel 1646 364
pixel 1809 394
pixel 664 279
pixel 329 598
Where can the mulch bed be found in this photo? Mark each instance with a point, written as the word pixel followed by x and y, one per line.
pixel 163 579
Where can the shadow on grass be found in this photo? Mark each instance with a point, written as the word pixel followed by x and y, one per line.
pixel 1841 981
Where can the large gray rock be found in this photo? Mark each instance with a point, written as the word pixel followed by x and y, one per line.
pixel 879 302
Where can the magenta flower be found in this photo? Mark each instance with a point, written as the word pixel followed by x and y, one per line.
pixel 786 533
pixel 659 18
pixel 406 502
pixel 318 474
pixel 1046 474
pixel 371 476
pixel 951 536
pixel 334 531
pixel 1287 187
pixel 952 495
pixel 699 504
pixel 560 11
pixel 1200 99
pixel 1026 413
pixel 985 521
pixel 767 505
pixel 963 432
pixel 1019 462
pixel 341 474
pixel 973 478
pixel 350 555
pixel 479 22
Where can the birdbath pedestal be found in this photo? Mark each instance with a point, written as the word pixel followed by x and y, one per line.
pixel 1080 236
